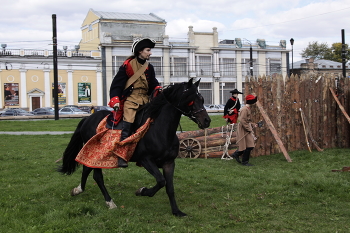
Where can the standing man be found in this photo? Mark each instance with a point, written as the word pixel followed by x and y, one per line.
pixel 232 107
pixel 245 135
pixel 131 88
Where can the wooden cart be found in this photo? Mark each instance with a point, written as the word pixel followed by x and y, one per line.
pixel 212 142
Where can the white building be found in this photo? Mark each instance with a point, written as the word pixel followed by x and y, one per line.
pixel 106 42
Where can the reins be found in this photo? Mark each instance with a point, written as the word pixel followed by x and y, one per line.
pixel 190 113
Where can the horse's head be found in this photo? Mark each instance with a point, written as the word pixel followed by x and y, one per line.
pixel 190 103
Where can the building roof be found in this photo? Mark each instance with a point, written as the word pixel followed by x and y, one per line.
pixel 322 64
pixel 128 16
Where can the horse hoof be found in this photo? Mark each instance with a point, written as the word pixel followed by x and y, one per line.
pixel 76 191
pixel 139 192
pixel 111 205
pixel 179 214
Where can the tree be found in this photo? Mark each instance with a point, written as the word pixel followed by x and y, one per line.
pixel 336 53
pixel 322 51
pixel 316 50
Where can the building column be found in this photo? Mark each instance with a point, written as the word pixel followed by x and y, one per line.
pixel 262 60
pixel 284 68
pixel 23 89
pixel 47 88
pixel 1 91
pixel 192 63
pixel 239 70
pixel 109 71
pixel 99 87
pixel 70 92
pixel 216 77
pixel 166 65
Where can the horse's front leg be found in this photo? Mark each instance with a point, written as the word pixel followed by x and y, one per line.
pixel 81 187
pixel 168 171
pixel 98 177
pixel 152 168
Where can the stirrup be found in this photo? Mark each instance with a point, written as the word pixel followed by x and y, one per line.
pixel 122 162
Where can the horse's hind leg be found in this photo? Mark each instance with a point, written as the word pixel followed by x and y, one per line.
pixel 168 171
pixel 98 177
pixel 85 174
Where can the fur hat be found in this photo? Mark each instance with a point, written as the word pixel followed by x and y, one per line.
pixel 251 99
pixel 235 91
pixel 142 43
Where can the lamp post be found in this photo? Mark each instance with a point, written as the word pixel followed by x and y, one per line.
pixel 292 43
pixel 251 58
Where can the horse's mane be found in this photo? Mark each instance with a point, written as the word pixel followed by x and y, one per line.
pixel 169 93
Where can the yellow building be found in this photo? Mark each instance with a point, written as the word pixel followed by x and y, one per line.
pixel 26 78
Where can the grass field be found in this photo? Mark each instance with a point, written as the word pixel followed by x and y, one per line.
pixel 218 195
pixel 71 124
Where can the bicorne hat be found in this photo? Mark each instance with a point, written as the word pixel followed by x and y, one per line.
pixel 251 99
pixel 235 91
pixel 142 43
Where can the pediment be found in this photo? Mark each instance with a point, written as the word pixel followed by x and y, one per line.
pixel 35 91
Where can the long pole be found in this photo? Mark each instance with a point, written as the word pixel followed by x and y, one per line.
pixel 55 72
pixel 343 52
pixel 251 60
pixel 292 59
pixel 292 43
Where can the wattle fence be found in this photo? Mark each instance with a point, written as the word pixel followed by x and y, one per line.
pixel 282 100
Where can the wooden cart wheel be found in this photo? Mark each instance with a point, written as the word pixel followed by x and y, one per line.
pixel 190 147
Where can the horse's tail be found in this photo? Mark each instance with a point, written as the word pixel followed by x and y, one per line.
pixel 74 146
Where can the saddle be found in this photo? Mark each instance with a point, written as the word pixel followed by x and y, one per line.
pixel 103 149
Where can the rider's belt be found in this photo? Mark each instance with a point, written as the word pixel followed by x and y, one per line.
pixel 140 91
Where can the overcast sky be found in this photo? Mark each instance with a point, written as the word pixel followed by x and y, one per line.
pixel 28 24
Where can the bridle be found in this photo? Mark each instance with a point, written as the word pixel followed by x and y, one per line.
pixel 190 114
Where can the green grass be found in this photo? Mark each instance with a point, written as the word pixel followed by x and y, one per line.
pixel 218 195
pixel 40 125
pixel 71 124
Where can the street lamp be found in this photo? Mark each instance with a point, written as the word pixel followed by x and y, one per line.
pixel 292 43
pixel 251 58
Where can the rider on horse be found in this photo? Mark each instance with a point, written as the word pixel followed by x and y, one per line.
pixel 131 88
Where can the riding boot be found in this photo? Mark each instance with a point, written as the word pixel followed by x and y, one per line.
pixel 236 155
pixel 246 155
pixel 126 132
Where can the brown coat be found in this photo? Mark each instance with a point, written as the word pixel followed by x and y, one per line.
pixel 244 129
pixel 138 96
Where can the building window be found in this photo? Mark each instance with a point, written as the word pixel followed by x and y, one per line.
pixel 207 92
pixel 274 67
pixel 117 61
pixel 179 66
pixel 225 89
pixel 204 66
pixel 228 67
pixel 157 64
pixel 246 67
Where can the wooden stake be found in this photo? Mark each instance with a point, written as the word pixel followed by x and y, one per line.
pixel 273 131
pixel 308 131
pixel 305 130
pixel 339 104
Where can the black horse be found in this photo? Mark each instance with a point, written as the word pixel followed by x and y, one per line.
pixel 157 149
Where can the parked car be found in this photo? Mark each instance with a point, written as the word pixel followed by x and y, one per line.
pixel 99 108
pixel 16 112
pixel 71 110
pixel 44 111
pixel 85 108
